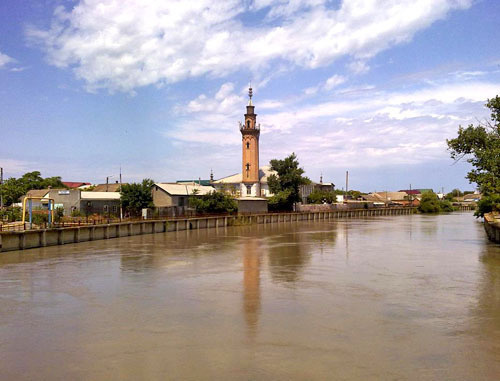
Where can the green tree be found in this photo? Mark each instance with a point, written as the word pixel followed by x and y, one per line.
pixel 12 188
pixel 136 196
pixel 285 185
pixel 453 194
pixel 354 194
pixel 481 146
pixel 321 197
pixel 429 203
pixel 213 202
pixel 53 182
pixel 487 205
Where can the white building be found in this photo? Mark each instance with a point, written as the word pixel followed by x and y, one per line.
pixel 234 184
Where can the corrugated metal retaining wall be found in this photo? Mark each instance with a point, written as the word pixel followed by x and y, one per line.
pixel 49 237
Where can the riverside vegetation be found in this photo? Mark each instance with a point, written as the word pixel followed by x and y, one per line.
pixel 480 146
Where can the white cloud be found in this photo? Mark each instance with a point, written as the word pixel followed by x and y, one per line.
pixel 5 60
pixel 358 67
pixel 367 129
pixel 125 44
pixel 334 81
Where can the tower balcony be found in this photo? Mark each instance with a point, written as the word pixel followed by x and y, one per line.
pixel 244 128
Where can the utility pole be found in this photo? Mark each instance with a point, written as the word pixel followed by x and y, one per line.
pixel 121 208
pixel 346 184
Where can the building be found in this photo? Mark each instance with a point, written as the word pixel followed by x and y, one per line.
pixel 382 198
pixel 175 194
pixel 234 184
pixel 192 182
pixel 113 187
pixel 71 200
pixel 473 197
pixel 307 189
pixel 250 133
pixel 75 184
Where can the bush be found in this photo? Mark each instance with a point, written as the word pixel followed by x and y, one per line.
pixel 40 218
pixel 429 203
pixel 213 202
pixel 280 201
pixel 321 197
pixel 77 213
pixel 446 206
pixel 11 214
pixel 487 204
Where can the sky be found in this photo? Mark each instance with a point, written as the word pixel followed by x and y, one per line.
pixel 157 88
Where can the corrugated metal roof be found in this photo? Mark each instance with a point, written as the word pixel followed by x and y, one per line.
pixel 386 196
pixel 112 187
pixel 37 193
pixel 100 195
pixel 175 189
pixel 201 182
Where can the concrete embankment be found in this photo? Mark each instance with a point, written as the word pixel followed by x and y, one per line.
pixel 492 227
pixel 49 237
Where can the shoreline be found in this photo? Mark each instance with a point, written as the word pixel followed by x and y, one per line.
pixel 30 239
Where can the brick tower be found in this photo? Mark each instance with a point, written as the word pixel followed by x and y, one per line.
pixel 250 132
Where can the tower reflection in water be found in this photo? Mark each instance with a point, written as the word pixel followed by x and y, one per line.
pixel 251 284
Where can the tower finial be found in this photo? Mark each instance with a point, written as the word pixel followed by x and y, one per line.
pixel 250 94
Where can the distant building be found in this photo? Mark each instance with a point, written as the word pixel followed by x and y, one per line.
pixel 70 200
pixel 113 187
pixel 75 184
pixel 177 194
pixel 199 182
pixel 307 189
pixel 399 198
pixel 234 184
pixel 474 197
pixel 417 191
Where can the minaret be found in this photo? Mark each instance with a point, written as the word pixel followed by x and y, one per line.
pixel 250 132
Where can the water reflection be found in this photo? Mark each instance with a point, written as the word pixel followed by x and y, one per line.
pixel 288 253
pixel 251 283
pixel 259 302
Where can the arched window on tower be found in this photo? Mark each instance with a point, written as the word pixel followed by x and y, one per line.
pixel 248 124
pixel 248 145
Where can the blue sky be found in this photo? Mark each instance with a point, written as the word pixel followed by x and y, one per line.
pixel 158 88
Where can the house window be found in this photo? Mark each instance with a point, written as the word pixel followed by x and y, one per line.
pixel 115 208
pixel 181 201
pixel 105 208
pixel 249 189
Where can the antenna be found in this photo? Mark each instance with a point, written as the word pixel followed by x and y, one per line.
pixel 250 93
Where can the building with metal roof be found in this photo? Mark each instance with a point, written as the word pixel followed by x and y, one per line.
pixel 175 194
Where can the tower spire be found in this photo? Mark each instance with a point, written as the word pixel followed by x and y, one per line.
pixel 250 94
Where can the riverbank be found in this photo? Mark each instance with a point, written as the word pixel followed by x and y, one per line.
pixel 492 227
pixel 30 239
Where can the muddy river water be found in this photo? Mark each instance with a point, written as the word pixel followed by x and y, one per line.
pixel 383 298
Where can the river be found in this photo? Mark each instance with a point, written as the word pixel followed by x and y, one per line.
pixel 384 298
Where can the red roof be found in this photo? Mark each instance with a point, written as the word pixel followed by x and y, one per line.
pixel 413 191
pixel 74 184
